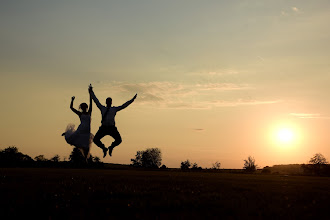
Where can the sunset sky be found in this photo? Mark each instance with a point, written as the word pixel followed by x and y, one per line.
pixel 216 80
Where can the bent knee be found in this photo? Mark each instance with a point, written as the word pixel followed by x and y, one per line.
pixel 96 140
pixel 119 140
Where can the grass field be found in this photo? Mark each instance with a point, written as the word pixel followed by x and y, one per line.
pixel 139 194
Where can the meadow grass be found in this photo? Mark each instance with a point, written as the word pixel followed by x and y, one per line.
pixel 141 194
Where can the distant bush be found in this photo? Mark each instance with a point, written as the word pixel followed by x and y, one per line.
pixel 318 166
pixel 55 159
pixel 185 165
pixel 318 159
pixel 163 167
pixel 11 157
pixel 40 158
pixel 76 158
pixel 150 158
pixel 216 165
pixel 266 170
pixel 196 167
pixel 250 165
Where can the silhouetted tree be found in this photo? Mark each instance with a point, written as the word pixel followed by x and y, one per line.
pixel 163 166
pixel 196 167
pixel 10 150
pixel 318 159
pixel 11 157
pixel 150 158
pixel 216 165
pixel 77 159
pixel 137 161
pixel 318 165
pixel 96 160
pixel 185 165
pixel 40 158
pixel 250 165
pixel 55 159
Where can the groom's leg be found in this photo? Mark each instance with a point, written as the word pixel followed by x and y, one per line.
pixel 116 135
pixel 97 140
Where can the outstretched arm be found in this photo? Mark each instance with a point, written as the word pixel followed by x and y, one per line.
pixel 73 109
pixel 91 92
pixel 127 103
pixel 90 105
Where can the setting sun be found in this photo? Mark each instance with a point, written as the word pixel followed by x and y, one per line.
pixel 285 135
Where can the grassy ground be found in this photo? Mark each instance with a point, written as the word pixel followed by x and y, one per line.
pixel 137 194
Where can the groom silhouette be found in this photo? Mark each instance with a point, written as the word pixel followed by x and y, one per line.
pixel 108 126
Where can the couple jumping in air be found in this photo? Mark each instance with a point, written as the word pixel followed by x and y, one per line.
pixel 82 138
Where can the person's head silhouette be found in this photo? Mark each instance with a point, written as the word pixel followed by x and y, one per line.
pixel 83 106
pixel 109 101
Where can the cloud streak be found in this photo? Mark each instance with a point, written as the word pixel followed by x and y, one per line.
pixel 309 116
pixel 175 95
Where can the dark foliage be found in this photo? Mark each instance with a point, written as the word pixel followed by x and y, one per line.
pixel 150 158
pixel 266 170
pixel 137 161
pixel 318 166
pixel 318 159
pixel 185 165
pixel 55 159
pixel 77 160
pixel 316 169
pixel 196 167
pixel 216 165
pixel 11 157
pixel 250 165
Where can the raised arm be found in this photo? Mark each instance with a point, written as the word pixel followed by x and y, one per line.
pixel 73 109
pixel 91 92
pixel 90 105
pixel 127 103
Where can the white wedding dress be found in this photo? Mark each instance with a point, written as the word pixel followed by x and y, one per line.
pixel 80 138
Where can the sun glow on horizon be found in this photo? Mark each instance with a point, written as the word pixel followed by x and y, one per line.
pixel 285 135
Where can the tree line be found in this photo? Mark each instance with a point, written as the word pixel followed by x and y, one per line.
pixel 11 157
pixel 149 158
pixel 152 158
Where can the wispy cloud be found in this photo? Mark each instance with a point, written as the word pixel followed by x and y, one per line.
pixel 216 72
pixel 309 116
pixel 175 95
pixel 241 102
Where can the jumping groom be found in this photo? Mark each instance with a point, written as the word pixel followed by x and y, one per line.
pixel 108 126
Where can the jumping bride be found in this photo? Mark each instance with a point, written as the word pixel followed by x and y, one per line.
pixel 81 138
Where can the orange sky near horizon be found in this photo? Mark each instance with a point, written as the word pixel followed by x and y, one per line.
pixel 216 80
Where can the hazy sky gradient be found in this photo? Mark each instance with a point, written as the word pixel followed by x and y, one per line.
pixel 215 79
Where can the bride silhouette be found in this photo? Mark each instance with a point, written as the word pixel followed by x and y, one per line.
pixel 81 138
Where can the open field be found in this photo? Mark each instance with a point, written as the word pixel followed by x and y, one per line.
pixel 138 194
